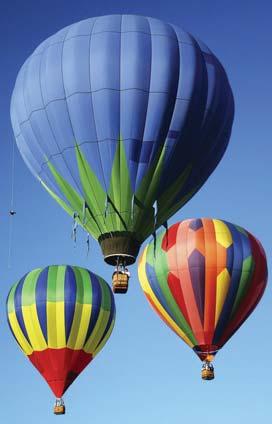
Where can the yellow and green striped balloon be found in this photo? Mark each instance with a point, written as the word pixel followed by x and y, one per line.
pixel 61 316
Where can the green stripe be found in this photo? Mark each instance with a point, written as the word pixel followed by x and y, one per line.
pixel 120 192
pixel 55 283
pixel 160 264
pixel 93 191
pixel 84 293
pixel 106 300
pixel 244 283
pixel 29 286
pixel 10 301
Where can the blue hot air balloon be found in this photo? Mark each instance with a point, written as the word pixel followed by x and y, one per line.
pixel 122 118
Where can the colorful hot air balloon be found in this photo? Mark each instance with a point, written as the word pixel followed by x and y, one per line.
pixel 204 278
pixel 61 317
pixel 122 118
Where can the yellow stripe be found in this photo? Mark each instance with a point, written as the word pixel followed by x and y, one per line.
pixel 56 325
pixel 222 287
pixel 98 331
pixel 33 327
pixel 102 344
pixel 80 326
pixel 222 233
pixel 147 289
pixel 23 343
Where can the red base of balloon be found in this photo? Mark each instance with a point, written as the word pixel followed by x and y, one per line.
pixel 60 367
pixel 206 351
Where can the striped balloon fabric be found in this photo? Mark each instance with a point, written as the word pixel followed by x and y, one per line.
pixel 61 317
pixel 204 279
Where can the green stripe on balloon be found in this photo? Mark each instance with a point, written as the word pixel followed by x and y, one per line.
pixel 161 270
pixel 29 286
pixel 246 278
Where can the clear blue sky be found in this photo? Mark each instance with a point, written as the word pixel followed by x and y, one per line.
pixel 146 374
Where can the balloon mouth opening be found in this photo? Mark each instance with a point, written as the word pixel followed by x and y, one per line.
pixel 119 247
pixel 206 352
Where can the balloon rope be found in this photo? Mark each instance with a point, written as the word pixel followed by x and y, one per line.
pixel 12 175
pixel 11 204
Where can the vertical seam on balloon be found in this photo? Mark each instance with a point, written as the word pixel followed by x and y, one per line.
pixel 147 102
pixel 174 108
pixel 79 303
pixel 205 277
pixel 216 282
pixel 109 327
pixel 175 101
pixel 81 190
pixel 162 147
pixel 50 126
pixel 26 66
pixel 214 146
pixel 120 136
pixel 68 329
pixel 180 280
pixel 29 120
pixel 67 109
pixel 239 269
pixel 241 274
pixel 21 319
pixel 93 279
pixel 95 126
pixel 186 225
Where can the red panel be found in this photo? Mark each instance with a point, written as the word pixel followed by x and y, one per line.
pixel 60 367
pixel 175 288
pixel 170 237
pixel 182 272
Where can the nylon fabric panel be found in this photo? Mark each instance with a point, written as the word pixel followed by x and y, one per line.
pixel 79 327
pixel 55 307
pixel 22 341
pixel 235 274
pixel 152 299
pixel 210 280
pixel 103 340
pixel 181 267
pixel 254 293
pixel 18 307
pixel 41 299
pixel 96 302
pixel 97 333
pixel 14 324
pixel 247 269
pixel 29 311
pixel 70 293
pixel 157 278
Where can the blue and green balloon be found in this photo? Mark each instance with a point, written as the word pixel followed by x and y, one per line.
pixel 122 118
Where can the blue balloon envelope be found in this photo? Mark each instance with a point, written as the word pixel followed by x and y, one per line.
pixel 122 118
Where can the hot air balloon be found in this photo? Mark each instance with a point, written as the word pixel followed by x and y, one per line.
pixel 61 317
pixel 122 118
pixel 204 278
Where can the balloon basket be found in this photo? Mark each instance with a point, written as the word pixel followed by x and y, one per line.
pixel 59 408
pixel 207 372
pixel 119 283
